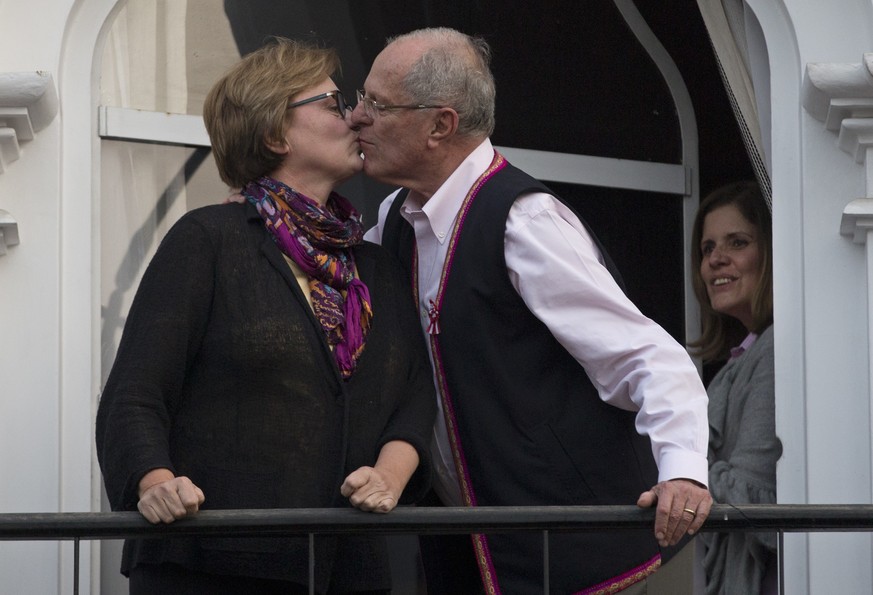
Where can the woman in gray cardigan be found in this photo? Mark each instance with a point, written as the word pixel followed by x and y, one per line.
pixel 732 267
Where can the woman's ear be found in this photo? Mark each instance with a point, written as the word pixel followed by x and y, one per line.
pixel 278 146
pixel 276 140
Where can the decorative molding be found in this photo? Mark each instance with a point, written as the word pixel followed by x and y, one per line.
pixel 8 231
pixel 833 91
pixel 841 96
pixel 857 221
pixel 28 103
pixel 9 149
pixel 855 137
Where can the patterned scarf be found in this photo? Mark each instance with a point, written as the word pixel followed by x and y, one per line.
pixel 318 239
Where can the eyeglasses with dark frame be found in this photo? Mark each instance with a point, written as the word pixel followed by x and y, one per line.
pixel 373 108
pixel 341 106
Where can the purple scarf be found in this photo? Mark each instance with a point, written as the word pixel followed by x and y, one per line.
pixel 318 239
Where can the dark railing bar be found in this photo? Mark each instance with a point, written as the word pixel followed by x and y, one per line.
pixel 780 562
pixel 546 564
pixel 311 564
pixel 76 566
pixel 431 520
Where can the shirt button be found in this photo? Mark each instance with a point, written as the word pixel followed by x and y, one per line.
pixel 441 234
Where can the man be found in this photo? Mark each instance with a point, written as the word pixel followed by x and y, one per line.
pixel 543 366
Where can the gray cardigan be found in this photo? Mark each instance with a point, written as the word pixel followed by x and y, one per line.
pixel 743 451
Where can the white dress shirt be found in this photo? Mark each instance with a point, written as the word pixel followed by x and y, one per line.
pixel 557 270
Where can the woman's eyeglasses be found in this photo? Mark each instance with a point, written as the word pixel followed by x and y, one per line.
pixel 341 106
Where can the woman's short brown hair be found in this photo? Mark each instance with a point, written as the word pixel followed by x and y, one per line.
pixel 720 332
pixel 247 107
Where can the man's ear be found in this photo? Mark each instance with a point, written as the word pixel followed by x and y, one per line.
pixel 445 125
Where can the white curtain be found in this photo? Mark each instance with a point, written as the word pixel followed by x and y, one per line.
pixel 741 54
pixel 160 55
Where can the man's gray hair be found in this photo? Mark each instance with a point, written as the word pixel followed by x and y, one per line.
pixel 455 72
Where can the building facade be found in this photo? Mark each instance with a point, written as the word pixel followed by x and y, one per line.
pixel 91 176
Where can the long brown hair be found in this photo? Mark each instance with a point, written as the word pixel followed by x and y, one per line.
pixel 720 332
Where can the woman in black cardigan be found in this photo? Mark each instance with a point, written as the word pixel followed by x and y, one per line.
pixel 271 358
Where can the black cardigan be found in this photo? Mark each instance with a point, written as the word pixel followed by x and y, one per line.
pixel 224 375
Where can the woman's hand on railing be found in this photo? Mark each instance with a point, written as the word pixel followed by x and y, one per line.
pixel 378 488
pixel 164 498
pixel 368 489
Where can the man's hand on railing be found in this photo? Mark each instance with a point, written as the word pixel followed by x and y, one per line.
pixel 165 498
pixel 683 505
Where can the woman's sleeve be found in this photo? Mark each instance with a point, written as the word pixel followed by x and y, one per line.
pixel 161 337
pixel 748 474
pixel 413 418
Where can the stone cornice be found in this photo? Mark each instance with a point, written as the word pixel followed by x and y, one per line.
pixel 8 231
pixel 834 91
pixel 841 96
pixel 857 221
pixel 28 103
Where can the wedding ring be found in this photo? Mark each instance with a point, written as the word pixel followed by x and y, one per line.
pixel 693 513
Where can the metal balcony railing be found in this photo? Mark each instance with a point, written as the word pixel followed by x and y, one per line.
pixel 78 526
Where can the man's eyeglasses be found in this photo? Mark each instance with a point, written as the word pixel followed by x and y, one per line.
pixel 373 109
pixel 341 106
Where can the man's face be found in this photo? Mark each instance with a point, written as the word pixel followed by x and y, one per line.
pixel 393 142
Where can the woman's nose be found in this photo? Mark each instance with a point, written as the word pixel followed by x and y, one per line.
pixel 717 256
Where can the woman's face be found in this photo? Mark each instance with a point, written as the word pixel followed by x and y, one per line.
pixel 730 262
pixel 322 150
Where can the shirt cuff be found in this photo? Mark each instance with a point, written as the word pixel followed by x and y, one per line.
pixel 683 464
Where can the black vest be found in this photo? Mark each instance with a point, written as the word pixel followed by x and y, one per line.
pixel 532 427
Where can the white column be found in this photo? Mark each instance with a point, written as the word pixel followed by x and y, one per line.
pixel 857 223
pixel 841 96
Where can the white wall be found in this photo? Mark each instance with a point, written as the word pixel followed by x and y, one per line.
pixel 47 311
pixel 30 397
pixel 822 392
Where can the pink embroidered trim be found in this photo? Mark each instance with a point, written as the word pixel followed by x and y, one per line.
pixel 623 581
pixel 480 543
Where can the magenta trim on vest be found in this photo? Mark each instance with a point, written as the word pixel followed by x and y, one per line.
pixel 480 543
pixel 497 164
pixel 623 581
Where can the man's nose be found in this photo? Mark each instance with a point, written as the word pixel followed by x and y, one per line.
pixel 358 116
